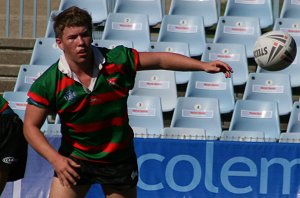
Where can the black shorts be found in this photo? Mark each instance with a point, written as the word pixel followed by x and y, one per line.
pixel 13 146
pixel 122 175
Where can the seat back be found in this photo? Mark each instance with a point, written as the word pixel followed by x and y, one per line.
pixel 259 8
pixel 236 29
pixel 184 28
pixel 292 70
pixel 203 84
pixel 49 29
pixel 45 52
pixel 97 8
pixel 294 119
pixel 27 75
pixel 270 87
pixel 131 27
pixel 256 115
pixel 174 47
pixel 290 9
pixel 17 102
pixel 232 54
pixel 290 26
pixel 146 112
pixel 201 113
pixel 207 9
pixel 153 9
pixel 159 83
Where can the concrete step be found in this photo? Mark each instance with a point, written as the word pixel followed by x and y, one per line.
pixel 9 70
pixel 7 84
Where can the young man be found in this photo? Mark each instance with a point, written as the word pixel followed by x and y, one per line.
pixel 88 88
pixel 13 146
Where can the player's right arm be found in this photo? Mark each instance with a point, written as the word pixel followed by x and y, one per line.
pixel 64 167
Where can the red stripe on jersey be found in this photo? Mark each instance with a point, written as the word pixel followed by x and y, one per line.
pixel 76 107
pixel 136 58
pixel 113 68
pixel 100 125
pixel 4 107
pixel 107 147
pixel 64 83
pixel 38 99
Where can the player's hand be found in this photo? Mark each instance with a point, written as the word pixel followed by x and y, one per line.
pixel 65 170
pixel 218 66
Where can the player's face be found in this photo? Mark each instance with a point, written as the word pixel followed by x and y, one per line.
pixel 76 44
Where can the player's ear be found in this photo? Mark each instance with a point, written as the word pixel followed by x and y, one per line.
pixel 59 43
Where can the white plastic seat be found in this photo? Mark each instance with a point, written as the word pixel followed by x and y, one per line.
pixel 207 9
pixel 256 8
pixel 145 112
pixel 292 70
pixel 159 83
pixel 243 136
pixel 97 8
pixel 27 75
pixel 49 29
pixel 184 133
pixel 131 27
pixel 53 130
pixel 256 115
pixel 17 102
pixel 294 119
pixel 290 9
pixel 153 9
pixel 203 84
pixel 270 87
pixel 184 28
pixel 181 77
pixel 237 29
pixel 201 113
pixel 45 52
pixel 232 54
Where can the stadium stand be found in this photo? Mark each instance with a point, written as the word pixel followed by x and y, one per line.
pixel 290 9
pixel 244 136
pixel 294 119
pixel 206 9
pixel 184 133
pixel 290 26
pixel 112 43
pixel 290 137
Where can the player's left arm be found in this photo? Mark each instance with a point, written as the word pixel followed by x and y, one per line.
pixel 172 61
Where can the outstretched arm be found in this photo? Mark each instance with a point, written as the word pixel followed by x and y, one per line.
pixel 172 61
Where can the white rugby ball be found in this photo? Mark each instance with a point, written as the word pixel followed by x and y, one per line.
pixel 274 50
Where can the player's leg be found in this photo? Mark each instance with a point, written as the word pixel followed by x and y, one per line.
pixel 58 190
pixel 111 192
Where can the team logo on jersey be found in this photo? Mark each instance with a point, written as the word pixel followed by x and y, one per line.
pixel 9 160
pixel 70 95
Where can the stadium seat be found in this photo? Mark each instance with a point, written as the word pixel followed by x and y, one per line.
pixel 257 8
pixel 290 9
pixel 184 133
pixel 232 54
pixel 270 87
pixel 256 115
pixel 27 75
pixel 184 28
pixel 289 137
pixel 203 84
pixel 207 9
pixel 45 52
pixel 112 43
pixel 53 130
pixel 49 29
pixel 294 119
pixel 181 77
pixel 145 112
pixel 292 70
pixel 97 8
pixel 242 30
pixel 153 9
pixel 290 26
pixel 131 27
pixel 201 113
pixel 244 136
pixel 18 102
pixel 159 83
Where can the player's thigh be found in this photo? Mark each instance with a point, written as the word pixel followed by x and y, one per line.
pixel 111 192
pixel 58 190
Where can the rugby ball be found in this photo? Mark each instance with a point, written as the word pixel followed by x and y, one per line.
pixel 274 50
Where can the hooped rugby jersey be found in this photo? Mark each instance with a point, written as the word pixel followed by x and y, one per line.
pixel 3 104
pixel 95 124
